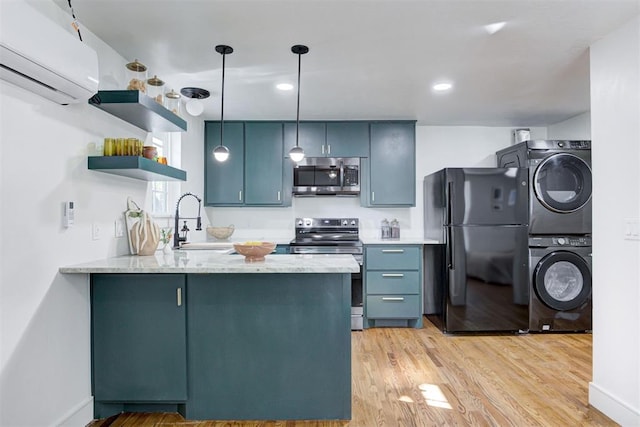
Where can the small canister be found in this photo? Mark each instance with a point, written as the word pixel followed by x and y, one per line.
pixel 137 76
pixel 172 102
pixel 385 229
pixel 155 89
pixel 109 147
pixel 395 229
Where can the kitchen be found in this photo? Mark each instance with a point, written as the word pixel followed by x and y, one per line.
pixel 43 340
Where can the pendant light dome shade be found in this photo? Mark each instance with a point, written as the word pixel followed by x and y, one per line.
pixel 221 153
pixel 297 153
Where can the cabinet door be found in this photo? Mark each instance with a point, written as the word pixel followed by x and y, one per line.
pixel 224 181
pixel 264 162
pixel 348 139
pixel 139 337
pixel 392 169
pixel 312 138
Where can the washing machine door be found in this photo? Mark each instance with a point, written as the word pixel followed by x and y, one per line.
pixel 562 183
pixel 562 280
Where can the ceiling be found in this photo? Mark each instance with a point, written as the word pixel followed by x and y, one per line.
pixel 369 59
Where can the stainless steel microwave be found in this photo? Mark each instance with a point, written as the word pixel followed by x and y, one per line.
pixel 329 176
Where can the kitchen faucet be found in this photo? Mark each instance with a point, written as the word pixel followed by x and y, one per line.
pixel 177 239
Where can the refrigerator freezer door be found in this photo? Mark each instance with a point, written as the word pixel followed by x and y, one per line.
pixel 487 196
pixel 488 285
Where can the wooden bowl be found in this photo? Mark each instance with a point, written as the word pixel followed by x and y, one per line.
pixel 254 251
pixel 220 233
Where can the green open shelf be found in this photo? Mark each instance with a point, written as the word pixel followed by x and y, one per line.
pixel 136 167
pixel 140 110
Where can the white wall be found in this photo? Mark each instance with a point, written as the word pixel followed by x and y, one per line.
pixel 436 147
pixel 44 315
pixel 615 118
pixel 578 127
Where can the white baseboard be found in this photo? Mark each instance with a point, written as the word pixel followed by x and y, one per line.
pixel 78 416
pixel 612 407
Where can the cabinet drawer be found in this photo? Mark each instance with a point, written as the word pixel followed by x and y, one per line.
pixel 393 257
pixel 393 282
pixel 393 306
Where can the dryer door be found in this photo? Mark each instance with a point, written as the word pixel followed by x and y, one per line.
pixel 562 183
pixel 562 280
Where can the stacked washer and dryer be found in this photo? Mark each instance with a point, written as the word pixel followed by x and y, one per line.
pixel 560 187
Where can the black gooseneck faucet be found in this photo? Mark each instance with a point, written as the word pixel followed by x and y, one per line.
pixel 177 239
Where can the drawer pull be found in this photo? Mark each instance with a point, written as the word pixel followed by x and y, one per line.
pixel 179 297
pixel 392 298
pixel 393 251
pixel 392 275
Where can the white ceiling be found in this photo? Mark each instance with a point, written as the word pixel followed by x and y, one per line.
pixel 369 59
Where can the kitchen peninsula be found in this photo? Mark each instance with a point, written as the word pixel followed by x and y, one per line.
pixel 214 337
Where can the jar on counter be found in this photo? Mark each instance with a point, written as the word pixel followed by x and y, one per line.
pixel 137 76
pixel 155 89
pixel 385 229
pixel 172 102
pixel 395 229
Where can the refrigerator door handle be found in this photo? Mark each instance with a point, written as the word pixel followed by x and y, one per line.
pixel 449 201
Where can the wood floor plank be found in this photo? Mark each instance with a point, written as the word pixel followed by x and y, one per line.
pixel 405 377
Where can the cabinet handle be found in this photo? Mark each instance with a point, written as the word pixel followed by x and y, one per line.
pixel 322 147
pixel 392 275
pixel 393 251
pixel 179 297
pixel 392 298
pixel 278 196
pixel 240 195
pixel 328 148
pixel 373 196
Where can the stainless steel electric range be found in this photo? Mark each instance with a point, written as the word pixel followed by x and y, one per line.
pixel 333 236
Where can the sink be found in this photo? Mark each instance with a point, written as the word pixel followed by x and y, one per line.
pixel 222 247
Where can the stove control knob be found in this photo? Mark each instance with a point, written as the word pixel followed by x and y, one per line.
pixel 345 222
pixel 353 222
pixel 299 223
pixel 561 241
pixel 307 222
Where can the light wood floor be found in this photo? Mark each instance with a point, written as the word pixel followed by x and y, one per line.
pixel 408 377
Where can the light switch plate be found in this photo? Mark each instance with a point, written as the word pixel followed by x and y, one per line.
pixel 119 228
pixel 96 231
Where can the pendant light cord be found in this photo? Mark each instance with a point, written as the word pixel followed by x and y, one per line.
pixel 298 107
pixel 224 54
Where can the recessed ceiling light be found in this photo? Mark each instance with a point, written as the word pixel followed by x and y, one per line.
pixel 284 86
pixel 495 27
pixel 442 87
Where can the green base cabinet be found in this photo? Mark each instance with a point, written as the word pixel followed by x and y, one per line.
pixel 138 340
pixel 389 175
pixel 393 285
pixel 269 346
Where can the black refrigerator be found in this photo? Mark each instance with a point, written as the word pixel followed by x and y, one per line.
pixel 476 279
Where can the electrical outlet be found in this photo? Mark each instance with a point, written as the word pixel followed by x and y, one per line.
pixel 119 228
pixel 632 229
pixel 96 231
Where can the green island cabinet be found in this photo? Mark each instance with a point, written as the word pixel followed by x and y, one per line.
pixel 138 325
pixel 255 173
pixel 329 139
pixel 389 174
pixel 222 346
pixel 393 285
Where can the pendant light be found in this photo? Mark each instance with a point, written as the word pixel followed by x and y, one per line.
pixel 221 153
pixel 297 153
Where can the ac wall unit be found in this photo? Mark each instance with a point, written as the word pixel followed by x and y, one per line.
pixel 39 55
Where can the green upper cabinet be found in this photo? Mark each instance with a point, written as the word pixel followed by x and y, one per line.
pixel 347 139
pixel 264 169
pixel 329 139
pixel 224 181
pixel 256 172
pixel 390 173
pixel 312 137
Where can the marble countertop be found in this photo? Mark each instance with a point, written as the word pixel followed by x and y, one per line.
pixel 205 261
